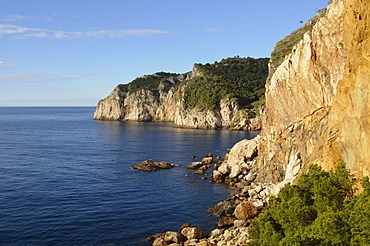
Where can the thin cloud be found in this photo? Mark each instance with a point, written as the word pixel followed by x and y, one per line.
pixel 12 78
pixel 15 18
pixel 8 63
pixel 15 31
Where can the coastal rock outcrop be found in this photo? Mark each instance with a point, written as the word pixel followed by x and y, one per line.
pixel 137 102
pixel 162 97
pixel 316 99
pixel 317 109
pixel 347 137
pixel 150 165
pixel 300 93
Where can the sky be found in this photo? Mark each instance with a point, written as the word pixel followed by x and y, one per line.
pixel 74 52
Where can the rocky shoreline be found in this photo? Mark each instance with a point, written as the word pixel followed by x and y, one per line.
pixel 236 169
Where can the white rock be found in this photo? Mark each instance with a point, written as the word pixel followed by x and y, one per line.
pixel 216 233
pixel 224 168
pixel 217 175
pixel 192 233
pixel 293 167
pixel 258 204
pixel 235 170
pixel 258 189
pixel 250 177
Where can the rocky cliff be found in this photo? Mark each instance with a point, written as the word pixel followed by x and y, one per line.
pixel 317 112
pixel 149 98
pixel 348 135
pixel 162 97
pixel 299 94
pixel 317 96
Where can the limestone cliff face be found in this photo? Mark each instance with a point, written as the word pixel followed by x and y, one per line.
pixel 112 107
pixel 348 134
pixel 299 95
pixel 229 116
pixel 154 104
pixel 166 103
pixel 317 99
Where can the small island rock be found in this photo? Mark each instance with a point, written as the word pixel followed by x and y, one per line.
pixel 150 165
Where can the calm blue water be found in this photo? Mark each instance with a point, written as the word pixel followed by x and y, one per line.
pixel 66 179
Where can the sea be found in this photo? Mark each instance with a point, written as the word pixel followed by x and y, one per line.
pixel 66 179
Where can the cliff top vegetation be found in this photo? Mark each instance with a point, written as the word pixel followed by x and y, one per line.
pixel 153 82
pixel 285 46
pixel 240 79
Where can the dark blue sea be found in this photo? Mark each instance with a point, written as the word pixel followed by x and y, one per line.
pixel 66 179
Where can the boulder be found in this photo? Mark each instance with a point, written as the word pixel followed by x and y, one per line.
pixel 192 242
pixel 150 165
pixel 250 177
pixel 185 225
pixel 243 151
pixel 147 165
pixel 224 168
pixel 203 243
pixel 163 165
pixel 215 233
pixel 192 233
pixel 209 155
pixel 235 170
pixel 222 208
pixel 217 176
pixel 225 222
pixel 172 237
pixel 199 171
pixel 258 204
pixel 195 165
pixel 207 160
pixel 245 211
pixel 159 241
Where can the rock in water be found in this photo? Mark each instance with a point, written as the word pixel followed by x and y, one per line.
pixel 195 165
pixel 222 208
pixel 163 165
pixel 150 165
pixel 207 160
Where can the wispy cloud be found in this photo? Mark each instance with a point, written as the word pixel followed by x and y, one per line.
pixel 8 63
pixel 11 78
pixel 15 31
pixel 15 18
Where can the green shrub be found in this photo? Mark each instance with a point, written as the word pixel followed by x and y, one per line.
pixel 321 209
pixel 242 79
pixel 285 46
pixel 151 82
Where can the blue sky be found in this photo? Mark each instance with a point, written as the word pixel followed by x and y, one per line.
pixel 74 52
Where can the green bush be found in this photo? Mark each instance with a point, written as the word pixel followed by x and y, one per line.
pixel 321 209
pixel 241 79
pixel 151 82
pixel 285 46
